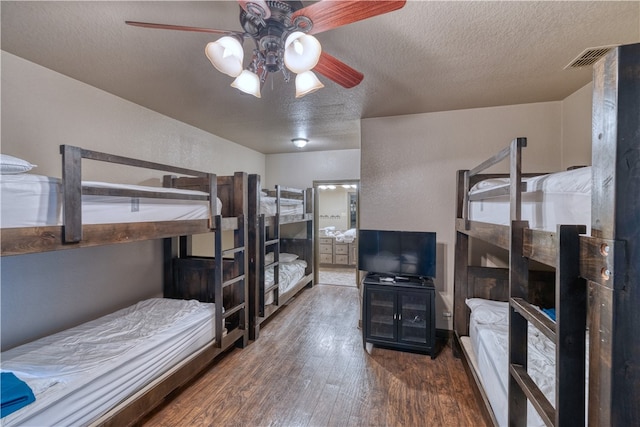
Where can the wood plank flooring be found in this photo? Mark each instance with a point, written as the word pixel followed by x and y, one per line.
pixel 309 368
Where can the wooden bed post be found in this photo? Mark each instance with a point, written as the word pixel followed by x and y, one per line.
pixel 254 254
pixel 72 191
pixel 518 288
pixel 461 260
pixel 614 294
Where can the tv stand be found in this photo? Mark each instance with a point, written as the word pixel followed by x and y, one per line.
pixel 399 313
pixel 389 278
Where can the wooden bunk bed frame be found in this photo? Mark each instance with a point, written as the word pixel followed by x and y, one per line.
pixel 210 279
pixel 596 277
pixel 264 237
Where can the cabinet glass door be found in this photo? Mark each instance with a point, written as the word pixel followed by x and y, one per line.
pixel 414 313
pixel 382 314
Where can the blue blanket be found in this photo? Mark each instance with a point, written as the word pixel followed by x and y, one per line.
pixel 551 312
pixel 15 394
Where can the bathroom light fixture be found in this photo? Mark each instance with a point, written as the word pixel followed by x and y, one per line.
pixel 300 142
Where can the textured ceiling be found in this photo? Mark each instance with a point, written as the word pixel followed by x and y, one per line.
pixel 428 56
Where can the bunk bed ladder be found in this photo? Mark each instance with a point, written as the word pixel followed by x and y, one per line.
pixel 265 242
pixel 218 274
pixel 567 332
pixel 276 248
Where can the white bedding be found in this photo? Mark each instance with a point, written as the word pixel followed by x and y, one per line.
pixel 81 373
pixel 29 200
pixel 489 335
pixel 557 198
pixel 347 236
pixel 269 207
pixel 290 274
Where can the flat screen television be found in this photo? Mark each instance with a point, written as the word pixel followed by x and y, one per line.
pixel 397 253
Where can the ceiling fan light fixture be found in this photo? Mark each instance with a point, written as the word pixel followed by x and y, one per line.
pixel 301 52
pixel 300 142
pixel 226 54
pixel 248 82
pixel 258 8
pixel 306 83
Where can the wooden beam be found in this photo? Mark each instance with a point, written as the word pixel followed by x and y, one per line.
pixel 614 363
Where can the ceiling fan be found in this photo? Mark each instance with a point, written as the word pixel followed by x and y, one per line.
pixel 282 32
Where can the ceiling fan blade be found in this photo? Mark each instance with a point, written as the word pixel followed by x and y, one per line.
pixel 180 28
pixel 336 70
pixel 328 14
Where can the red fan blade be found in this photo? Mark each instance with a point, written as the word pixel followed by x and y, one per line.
pixel 338 71
pixel 328 14
pixel 180 28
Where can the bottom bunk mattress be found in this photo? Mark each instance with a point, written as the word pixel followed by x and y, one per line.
pixel 79 374
pixel 289 275
pixel 488 338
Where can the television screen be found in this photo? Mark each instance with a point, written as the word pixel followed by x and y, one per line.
pixel 397 253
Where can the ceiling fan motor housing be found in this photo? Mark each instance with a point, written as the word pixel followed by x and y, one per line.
pixel 270 34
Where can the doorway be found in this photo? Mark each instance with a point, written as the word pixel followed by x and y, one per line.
pixel 336 229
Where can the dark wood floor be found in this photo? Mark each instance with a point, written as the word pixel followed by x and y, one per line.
pixel 308 368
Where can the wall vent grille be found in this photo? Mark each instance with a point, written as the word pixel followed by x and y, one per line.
pixel 589 56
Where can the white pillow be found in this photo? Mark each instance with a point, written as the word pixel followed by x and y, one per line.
pixel 489 312
pixel 284 257
pixel 13 165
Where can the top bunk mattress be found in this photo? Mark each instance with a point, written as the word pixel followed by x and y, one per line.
pixel 549 200
pixel 79 374
pixel 269 206
pixel 29 200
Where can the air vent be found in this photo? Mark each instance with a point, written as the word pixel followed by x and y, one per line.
pixel 589 56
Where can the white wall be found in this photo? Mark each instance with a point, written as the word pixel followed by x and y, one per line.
pixel 409 164
pixel 576 127
pixel 42 109
pixel 299 170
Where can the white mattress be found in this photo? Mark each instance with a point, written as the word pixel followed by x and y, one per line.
pixel 552 199
pixel 269 207
pixel 29 200
pixel 290 274
pixel 489 342
pixel 81 373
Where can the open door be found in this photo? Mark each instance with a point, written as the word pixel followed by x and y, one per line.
pixel 336 229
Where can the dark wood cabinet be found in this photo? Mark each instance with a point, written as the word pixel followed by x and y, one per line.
pixel 399 314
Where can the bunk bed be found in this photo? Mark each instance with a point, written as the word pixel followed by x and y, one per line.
pixel 280 246
pixel 124 364
pixel 538 319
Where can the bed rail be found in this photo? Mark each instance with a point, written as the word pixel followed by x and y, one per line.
pixel 74 234
pixel 514 153
pixel 73 188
